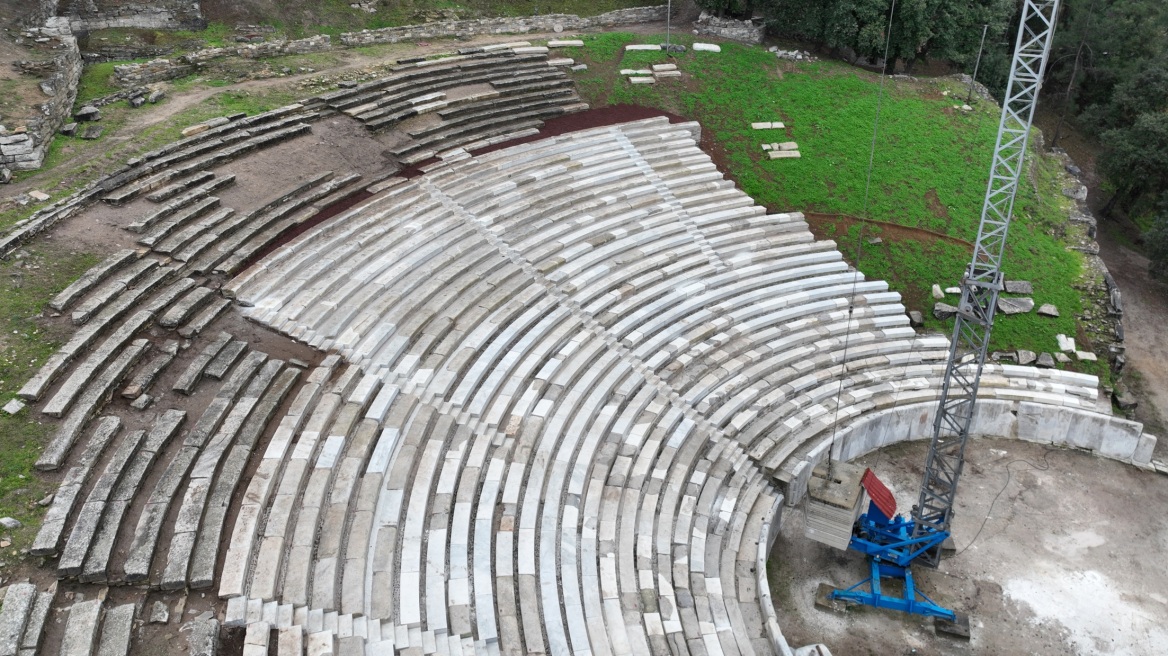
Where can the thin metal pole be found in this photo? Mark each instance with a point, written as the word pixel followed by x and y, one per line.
pixel 973 79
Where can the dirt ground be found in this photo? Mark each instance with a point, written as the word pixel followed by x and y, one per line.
pixel 1056 555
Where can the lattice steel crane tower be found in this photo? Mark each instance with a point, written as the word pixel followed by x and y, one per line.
pixel 893 543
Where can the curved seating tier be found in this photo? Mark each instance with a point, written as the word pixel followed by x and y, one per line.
pixel 455 101
pixel 580 372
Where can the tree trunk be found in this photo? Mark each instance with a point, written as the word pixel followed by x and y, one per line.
pixel 1067 97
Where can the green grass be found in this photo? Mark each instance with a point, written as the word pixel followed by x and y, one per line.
pixel 25 342
pixel 929 172
pixel 97 80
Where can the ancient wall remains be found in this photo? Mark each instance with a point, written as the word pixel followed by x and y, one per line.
pixel 728 28
pixel 26 151
pixel 516 25
pixel 147 14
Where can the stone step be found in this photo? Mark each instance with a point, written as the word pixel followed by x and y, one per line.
pixel 197 195
pixel 80 637
pixel 182 240
pixel 204 318
pixel 48 538
pixel 100 357
pixel 140 554
pixel 93 277
pixel 183 310
pixel 170 191
pixel 116 630
pixel 180 220
pixel 146 374
pixel 96 568
pixel 95 395
pixel 92 511
pixel 225 359
pixel 194 372
pixel 35 628
pixel 102 296
pixel 211 452
pixel 84 337
pixel 210 533
pixel 18 606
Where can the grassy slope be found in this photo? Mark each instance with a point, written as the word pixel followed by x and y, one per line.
pixel 930 167
pixel 27 283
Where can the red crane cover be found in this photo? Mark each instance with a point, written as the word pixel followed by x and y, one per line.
pixel 880 494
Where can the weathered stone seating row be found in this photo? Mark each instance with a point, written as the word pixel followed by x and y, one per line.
pixel 204 150
pixel 582 370
pixel 226 245
pixel 23 617
pixel 159 168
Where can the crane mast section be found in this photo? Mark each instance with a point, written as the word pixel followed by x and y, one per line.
pixel 983 280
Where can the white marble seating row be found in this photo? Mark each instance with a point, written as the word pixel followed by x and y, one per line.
pixel 586 361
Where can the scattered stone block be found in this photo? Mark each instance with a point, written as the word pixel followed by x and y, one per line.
pixel 1046 361
pixel 1065 344
pixel 137 101
pixel 643 46
pixel 195 129
pixel 636 71
pixel 707 47
pixel 1026 357
pixel 14 406
pixel 39 196
pixel 1086 356
pixel 159 613
pixel 1019 287
pixel 155 96
pixel 92 132
pixel 937 293
pixel 784 154
pixel 768 125
pixel 768 146
pixel 1062 358
pixel 953 290
pixel 1015 305
pixel 787 145
pixel 578 67
pixel 565 43
pixel 643 80
pixel 561 61
pixel 69 129
pixel 88 113
pixel 1124 398
pixel 916 319
pixel 142 402
pixel 944 311
pixel 10 523
pixel 657 68
pixel 668 74
pixel 1048 310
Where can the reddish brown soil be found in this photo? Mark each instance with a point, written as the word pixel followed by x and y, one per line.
pixel 819 224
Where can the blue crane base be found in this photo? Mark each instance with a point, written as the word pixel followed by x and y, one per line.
pixel 891 550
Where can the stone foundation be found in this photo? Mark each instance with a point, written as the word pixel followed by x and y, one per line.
pixel 728 28
pixel 158 70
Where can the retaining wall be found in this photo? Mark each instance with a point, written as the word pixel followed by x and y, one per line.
pixel 23 152
pixel 519 25
pixel 159 14
pixel 1105 435
pixel 157 70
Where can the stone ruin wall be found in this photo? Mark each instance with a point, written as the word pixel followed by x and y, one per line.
pixel 26 151
pixel 146 14
pixel 728 28
pixel 159 70
pixel 516 25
